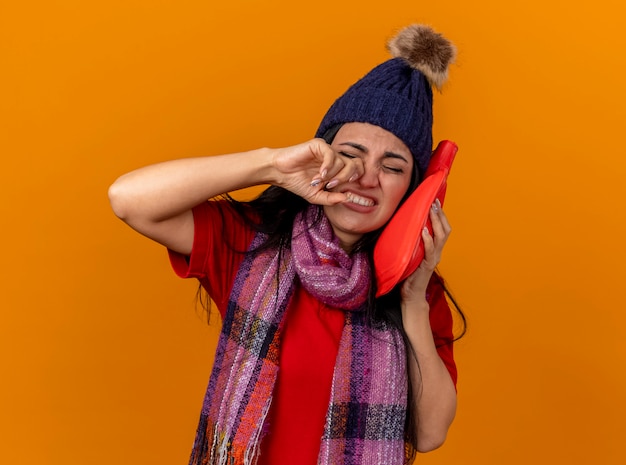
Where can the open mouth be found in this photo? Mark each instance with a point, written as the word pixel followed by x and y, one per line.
pixel 353 198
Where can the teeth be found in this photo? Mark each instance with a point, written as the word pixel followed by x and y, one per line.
pixel 359 200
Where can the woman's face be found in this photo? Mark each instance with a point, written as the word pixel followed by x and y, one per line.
pixel 374 197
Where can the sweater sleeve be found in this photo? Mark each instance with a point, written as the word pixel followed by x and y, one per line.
pixel 220 240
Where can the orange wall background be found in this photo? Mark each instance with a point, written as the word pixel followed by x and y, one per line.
pixel 104 358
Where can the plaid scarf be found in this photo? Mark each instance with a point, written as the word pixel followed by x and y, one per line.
pixel 366 416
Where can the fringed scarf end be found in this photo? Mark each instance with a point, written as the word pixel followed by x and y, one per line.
pixel 222 450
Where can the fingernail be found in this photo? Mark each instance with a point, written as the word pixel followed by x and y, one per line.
pixel 353 177
pixel 438 203
pixel 324 173
pixel 332 184
pixel 316 182
pixel 434 207
pixel 425 231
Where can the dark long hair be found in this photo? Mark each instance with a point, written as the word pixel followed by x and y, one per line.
pixel 273 213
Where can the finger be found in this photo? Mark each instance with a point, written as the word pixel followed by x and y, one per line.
pixel 350 171
pixel 440 225
pixel 328 198
pixel 442 216
pixel 428 240
pixel 429 250
pixel 328 158
pixel 435 220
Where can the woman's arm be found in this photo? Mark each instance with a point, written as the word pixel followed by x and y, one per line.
pixel 157 200
pixel 433 389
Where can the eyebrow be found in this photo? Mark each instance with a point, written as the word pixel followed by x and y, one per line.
pixel 364 149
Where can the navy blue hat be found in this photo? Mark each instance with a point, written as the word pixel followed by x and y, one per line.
pixel 397 95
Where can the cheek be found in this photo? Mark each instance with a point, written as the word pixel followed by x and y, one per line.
pixel 398 191
pixel 394 197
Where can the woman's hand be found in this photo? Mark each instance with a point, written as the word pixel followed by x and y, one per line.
pixel 414 287
pixel 310 168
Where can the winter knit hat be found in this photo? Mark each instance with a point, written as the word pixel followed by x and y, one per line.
pixel 397 94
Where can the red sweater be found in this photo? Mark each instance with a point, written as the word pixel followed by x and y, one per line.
pixel 310 339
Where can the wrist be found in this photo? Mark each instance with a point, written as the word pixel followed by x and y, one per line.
pixel 415 312
pixel 264 165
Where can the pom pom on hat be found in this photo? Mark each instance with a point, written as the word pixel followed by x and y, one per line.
pixel 397 94
pixel 424 50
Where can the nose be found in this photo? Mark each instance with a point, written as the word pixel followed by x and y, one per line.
pixel 370 176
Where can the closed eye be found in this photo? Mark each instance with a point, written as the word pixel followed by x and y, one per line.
pixel 399 163
pixel 393 169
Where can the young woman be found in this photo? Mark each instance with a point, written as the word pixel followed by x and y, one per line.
pixel 310 366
